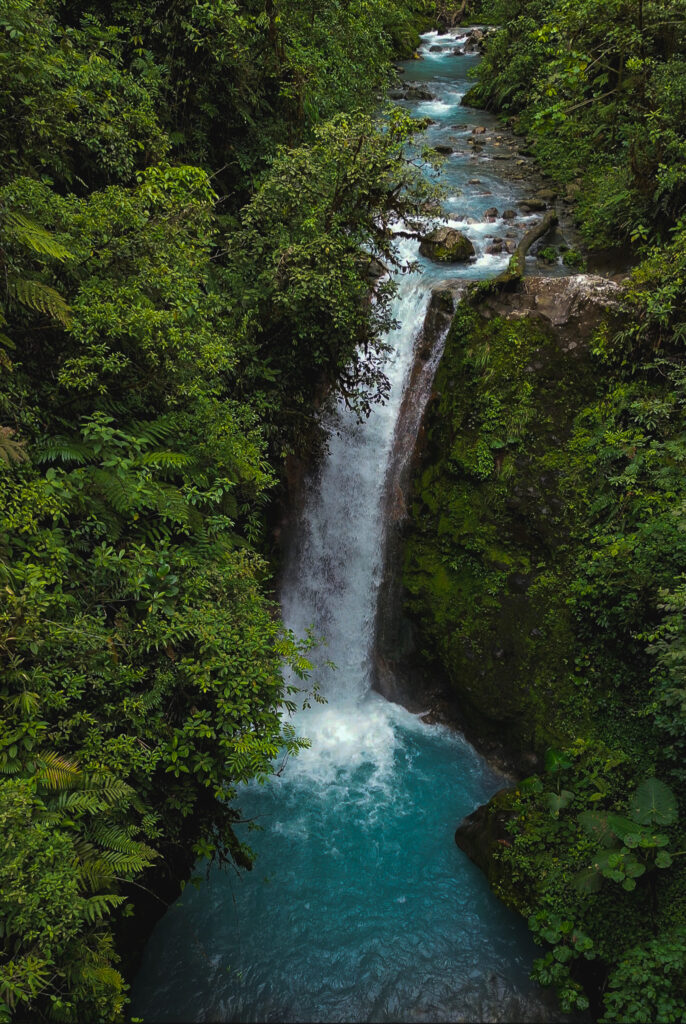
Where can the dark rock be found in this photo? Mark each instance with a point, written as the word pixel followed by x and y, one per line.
pixel 532 205
pixel 479 130
pixel 376 270
pixel 446 245
pixel 486 828
pixel 509 214
pixel 435 49
pixel 418 92
pixel 491 213
pixel 445 150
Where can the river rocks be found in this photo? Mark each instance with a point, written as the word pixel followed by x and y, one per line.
pixel 479 130
pixel 509 214
pixel 474 41
pixel 532 205
pixel 444 149
pixel 491 213
pixel 446 245
pixel 436 49
pixel 418 93
pixel 412 92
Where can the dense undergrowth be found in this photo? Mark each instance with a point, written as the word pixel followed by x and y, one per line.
pixel 546 559
pixel 190 195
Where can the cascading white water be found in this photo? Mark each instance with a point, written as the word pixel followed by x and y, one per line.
pixel 334 566
pixel 361 907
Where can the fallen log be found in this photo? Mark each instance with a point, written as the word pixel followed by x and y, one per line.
pixel 515 268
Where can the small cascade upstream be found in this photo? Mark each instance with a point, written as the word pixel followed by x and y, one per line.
pixel 360 906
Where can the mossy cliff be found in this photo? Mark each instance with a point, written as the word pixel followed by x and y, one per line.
pixel 544 571
pixel 491 510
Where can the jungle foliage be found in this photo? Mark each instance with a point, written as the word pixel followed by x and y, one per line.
pixel 545 559
pixel 190 198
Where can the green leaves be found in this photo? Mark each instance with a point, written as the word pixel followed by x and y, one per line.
pixel 654 803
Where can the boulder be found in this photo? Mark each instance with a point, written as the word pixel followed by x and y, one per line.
pixel 509 214
pixel 435 49
pixel 418 92
pixel 532 205
pixel 480 833
pixel 444 149
pixel 491 213
pixel 479 130
pixel 446 245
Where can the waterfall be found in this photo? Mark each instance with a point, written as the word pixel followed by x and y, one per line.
pixel 360 906
pixel 334 567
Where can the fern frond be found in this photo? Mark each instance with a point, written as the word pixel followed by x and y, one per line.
pixel 58 772
pixel 35 237
pixel 109 788
pixel 128 865
pixel 116 838
pixel 78 800
pixel 167 460
pixel 153 431
pixel 39 297
pixel 170 503
pixel 97 907
pixel 116 488
pixel 66 449
pixel 94 875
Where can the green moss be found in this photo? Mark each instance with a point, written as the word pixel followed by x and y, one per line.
pixel 482 560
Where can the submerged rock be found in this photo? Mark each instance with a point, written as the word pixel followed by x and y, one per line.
pixel 446 245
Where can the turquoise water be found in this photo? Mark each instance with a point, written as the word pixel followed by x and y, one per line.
pixel 360 906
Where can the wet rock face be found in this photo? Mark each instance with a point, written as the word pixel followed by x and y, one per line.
pixel 572 306
pixel 398 673
pixel 446 245
pixel 490 511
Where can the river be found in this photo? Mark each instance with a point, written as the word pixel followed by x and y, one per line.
pixel 360 906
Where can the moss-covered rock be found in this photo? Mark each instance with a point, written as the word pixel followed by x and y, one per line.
pixel 486 548
pixel 446 245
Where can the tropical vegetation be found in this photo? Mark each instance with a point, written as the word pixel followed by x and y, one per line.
pixel 545 560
